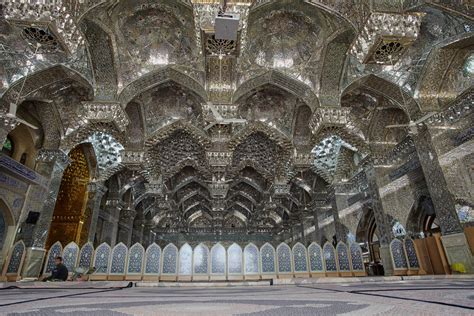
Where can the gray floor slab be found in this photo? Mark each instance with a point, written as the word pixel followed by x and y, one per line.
pixel 413 297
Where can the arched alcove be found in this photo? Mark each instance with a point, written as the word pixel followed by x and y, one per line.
pixel 70 212
pixel 422 218
pixel 367 234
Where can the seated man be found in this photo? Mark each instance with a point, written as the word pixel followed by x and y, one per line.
pixel 59 273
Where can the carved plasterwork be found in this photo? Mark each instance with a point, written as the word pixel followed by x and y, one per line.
pixel 105 112
pixel 280 80
pixel 50 24
pixel 386 36
pixel 291 40
pixel 453 59
pixel 152 35
pixel 168 102
pixel 160 76
pixel 178 149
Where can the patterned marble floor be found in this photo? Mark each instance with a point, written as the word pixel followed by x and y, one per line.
pixel 427 297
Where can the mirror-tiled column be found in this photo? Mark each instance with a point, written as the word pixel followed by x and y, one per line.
pixel 384 229
pixel 51 164
pixel 454 239
pixel 95 193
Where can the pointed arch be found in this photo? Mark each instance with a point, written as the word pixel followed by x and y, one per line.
pixel 158 77
pixel 388 89
pixel 41 79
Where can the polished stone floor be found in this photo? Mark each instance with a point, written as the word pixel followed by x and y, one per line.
pixel 421 297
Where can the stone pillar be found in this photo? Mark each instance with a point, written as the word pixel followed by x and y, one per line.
pixel 317 231
pixel 51 164
pixel 303 238
pixel 384 229
pixel 111 223
pixel 127 217
pixel 148 235
pixel 137 232
pixel 453 237
pixel 95 193
pixel 341 234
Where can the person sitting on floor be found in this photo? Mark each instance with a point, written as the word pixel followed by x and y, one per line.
pixel 59 273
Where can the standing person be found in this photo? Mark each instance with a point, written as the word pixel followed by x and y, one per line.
pixel 59 273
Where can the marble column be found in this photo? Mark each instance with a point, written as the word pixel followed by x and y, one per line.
pixel 95 193
pixel 453 237
pixel 384 229
pixel 51 164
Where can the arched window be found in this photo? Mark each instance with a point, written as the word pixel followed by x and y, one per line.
pixel 8 147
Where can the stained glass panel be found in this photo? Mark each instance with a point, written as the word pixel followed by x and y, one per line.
pixel 119 259
pixel 329 254
pixel 234 259
pixel 251 259
pixel 85 257
pixel 411 254
pixel 70 254
pixel 185 260
pixel 218 259
pixel 300 258
pixel 135 259
pixel 55 251
pixel 267 257
pixel 343 257
pixel 170 260
pixel 153 259
pixel 101 259
pixel 357 262
pixel 284 258
pixel 201 259
pixel 398 254
pixel 315 258
pixel 14 265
